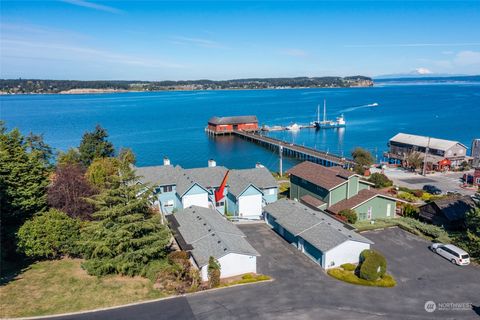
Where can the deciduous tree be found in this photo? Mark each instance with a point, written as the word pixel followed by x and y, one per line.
pixel 69 192
pixel 49 235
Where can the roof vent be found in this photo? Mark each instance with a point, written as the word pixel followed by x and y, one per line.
pixel 213 234
pixel 224 249
pixel 219 241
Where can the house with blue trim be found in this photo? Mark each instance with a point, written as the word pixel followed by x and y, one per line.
pixel 246 192
pixel 334 189
pixel 325 240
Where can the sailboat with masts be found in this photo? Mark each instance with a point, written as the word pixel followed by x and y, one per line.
pixel 328 124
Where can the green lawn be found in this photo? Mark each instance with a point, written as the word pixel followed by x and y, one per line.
pixel 60 286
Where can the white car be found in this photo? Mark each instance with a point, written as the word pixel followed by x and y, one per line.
pixel 452 253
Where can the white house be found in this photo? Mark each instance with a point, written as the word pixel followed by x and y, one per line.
pixel 325 240
pixel 204 233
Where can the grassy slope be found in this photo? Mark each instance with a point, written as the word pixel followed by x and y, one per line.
pixel 60 286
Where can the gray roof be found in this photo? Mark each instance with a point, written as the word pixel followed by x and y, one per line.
pixel 233 120
pixel 422 141
pixel 210 234
pixel 316 227
pixel 260 177
pixel 208 176
pixel 158 175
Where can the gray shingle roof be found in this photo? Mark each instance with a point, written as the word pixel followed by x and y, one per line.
pixel 208 176
pixel 260 177
pixel 316 227
pixel 158 175
pixel 209 234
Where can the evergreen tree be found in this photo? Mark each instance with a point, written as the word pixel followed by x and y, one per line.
pixel 127 235
pixel 72 156
pixel 95 145
pixel 23 183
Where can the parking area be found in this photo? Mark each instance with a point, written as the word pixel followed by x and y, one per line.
pixel 302 290
pixel 448 181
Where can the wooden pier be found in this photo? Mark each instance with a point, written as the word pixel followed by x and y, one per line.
pixel 296 151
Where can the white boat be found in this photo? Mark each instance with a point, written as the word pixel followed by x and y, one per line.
pixel 293 127
pixel 328 124
pixel 375 104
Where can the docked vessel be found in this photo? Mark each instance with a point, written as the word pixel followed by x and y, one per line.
pixel 339 122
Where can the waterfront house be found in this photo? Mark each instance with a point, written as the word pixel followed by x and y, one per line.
pixel 448 213
pixel 245 193
pixel 225 125
pixel 204 233
pixel 442 154
pixel 334 189
pixel 325 240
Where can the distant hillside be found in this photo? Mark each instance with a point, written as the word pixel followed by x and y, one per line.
pixel 428 79
pixel 23 86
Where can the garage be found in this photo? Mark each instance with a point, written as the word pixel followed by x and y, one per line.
pixel 320 237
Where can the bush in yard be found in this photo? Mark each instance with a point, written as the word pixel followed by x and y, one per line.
pixel 348 266
pixel 410 211
pixel 373 266
pixel 380 180
pixel 49 235
pixel 349 214
pixel 407 196
pixel 213 272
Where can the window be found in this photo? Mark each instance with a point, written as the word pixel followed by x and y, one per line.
pixel 169 203
pixel 389 208
pixel 220 204
pixel 369 213
pixel 167 188
pixel 270 191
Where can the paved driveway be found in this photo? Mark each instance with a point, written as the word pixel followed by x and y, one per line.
pixel 302 290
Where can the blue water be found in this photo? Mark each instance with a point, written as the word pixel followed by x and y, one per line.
pixel 159 124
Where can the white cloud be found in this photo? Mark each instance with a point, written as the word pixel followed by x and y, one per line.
pixel 394 45
pixel 422 71
pixel 206 43
pixel 92 5
pixel 41 50
pixel 467 58
pixel 295 52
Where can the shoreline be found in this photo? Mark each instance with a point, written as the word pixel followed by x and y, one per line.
pixel 106 91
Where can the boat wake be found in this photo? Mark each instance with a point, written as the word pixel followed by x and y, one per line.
pixel 349 109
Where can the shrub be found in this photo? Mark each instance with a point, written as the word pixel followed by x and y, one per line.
pixel 350 277
pixel 426 196
pixel 348 266
pixel 418 193
pixel 407 196
pixel 213 272
pixel 380 180
pixel 177 256
pixel 373 266
pixel 410 211
pixel 49 235
pixel 349 214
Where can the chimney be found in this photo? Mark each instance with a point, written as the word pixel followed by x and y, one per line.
pixel 259 165
pixel 212 163
pixel 166 161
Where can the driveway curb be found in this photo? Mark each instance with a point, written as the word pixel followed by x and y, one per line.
pixel 139 302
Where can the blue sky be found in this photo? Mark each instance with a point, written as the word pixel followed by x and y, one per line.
pixel 158 40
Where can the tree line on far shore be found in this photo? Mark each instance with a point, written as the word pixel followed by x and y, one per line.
pixel 56 86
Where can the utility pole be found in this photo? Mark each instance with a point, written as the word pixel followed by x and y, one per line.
pixel 425 158
pixel 280 165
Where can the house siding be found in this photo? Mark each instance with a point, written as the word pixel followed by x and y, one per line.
pixel 338 194
pixel 352 187
pixel 379 209
pixel 299 188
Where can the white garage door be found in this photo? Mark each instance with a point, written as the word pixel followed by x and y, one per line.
pixel 250 206
pixel 200 200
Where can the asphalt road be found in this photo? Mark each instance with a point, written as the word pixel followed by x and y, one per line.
pixel 448 181
pixel 302 290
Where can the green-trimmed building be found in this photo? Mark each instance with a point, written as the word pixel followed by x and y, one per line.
pixel 334 189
